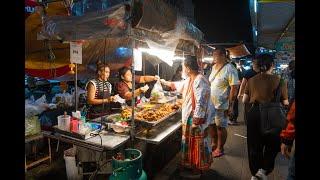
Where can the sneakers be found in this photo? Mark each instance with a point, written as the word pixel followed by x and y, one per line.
pixel 261 174
pixel 254 178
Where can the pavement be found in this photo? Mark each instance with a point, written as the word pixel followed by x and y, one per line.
pixel 234 164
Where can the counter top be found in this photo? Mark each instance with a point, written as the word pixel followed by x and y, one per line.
pixel 159 133
pixel 110 141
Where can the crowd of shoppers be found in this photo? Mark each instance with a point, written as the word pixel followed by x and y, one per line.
pixel 211 104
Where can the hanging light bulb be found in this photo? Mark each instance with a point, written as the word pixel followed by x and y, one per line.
pixel 72 66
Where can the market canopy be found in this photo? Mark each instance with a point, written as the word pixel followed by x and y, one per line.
pixel 47 46
pixel 238 51
pixel 273 21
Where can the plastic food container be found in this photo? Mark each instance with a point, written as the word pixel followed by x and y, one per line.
pixel 75 125
pixel 64 122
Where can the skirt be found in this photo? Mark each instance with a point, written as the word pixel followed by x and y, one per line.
pixel 195 147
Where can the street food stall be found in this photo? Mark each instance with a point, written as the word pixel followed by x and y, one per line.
pixel 148 124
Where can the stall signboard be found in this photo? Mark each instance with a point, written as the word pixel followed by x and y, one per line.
pixel 76 52
pixel 286 44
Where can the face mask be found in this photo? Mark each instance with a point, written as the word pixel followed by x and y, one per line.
pixel 184 75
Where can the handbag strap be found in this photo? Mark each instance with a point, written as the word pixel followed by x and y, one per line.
pixel 278 91
pixel 193 100
pixel 214 77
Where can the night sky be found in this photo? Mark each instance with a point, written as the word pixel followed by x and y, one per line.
pixel 224 21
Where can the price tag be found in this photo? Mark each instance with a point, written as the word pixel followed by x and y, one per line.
pixel 75 52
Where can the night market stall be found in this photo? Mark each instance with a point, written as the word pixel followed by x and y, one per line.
pixel 145 30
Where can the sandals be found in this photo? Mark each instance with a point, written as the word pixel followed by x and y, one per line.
pixel 214 147
pixel 217 153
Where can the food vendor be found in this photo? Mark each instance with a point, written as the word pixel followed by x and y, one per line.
pixel 124 87
pixel 99 92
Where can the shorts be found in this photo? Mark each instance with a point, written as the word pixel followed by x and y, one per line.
pixel 220 118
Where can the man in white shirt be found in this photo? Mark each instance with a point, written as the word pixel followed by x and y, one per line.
pixel 224 85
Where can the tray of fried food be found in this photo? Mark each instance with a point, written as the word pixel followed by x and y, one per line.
pixel 127 112
pixel 155 116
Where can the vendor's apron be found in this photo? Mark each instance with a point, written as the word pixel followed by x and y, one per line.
pixel 96 111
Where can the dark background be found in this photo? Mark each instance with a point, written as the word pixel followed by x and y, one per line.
pixel 224 21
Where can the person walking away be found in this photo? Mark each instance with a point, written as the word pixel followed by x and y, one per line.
pixel 195 90
pixel 262 148
pixel 287 141
pixel 290 77
pixel 235 109
pixel 246 76
pixel 224 84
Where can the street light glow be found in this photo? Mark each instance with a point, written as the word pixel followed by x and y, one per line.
pixel 255 5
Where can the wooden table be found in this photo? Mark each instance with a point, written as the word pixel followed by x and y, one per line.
pixel 34 138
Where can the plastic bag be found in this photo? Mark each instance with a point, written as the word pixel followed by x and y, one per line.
pixel 52 106
pixel 32 126
pixel 157 91
pixel 33 108
pixel 118 99
pixel 45 121
pixel 64 99
pixel 41 100
pixel 79 92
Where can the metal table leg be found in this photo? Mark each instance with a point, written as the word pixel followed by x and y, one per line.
pixel 49 144
pixel 58 145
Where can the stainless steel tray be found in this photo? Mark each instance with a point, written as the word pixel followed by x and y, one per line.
pixel 154 123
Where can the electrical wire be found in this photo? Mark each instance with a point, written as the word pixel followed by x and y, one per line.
pixel 100 157
pixel 99 168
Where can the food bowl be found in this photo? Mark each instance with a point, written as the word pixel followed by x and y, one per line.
pixel 119 128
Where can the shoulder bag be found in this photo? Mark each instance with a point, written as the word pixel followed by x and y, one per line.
pixel 215 75
pixel 272 115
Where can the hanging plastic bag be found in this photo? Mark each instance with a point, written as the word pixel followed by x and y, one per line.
pixel 157 91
